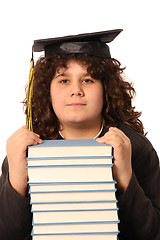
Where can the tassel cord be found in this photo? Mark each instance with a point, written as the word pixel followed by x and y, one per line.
pixel 29 97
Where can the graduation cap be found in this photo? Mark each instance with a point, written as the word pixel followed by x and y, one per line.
pixel 94 44
pixel 91 43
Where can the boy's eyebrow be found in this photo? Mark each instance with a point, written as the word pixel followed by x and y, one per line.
pixel 65 74
pixel 61 74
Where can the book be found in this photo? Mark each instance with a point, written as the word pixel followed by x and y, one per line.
pixel 89 236
pixel 71 196
pixel 74 148
pixel 71 173
pixel 74 205
pixel 43 188
pixel 75 228
pixel 42 161
pixel 72 216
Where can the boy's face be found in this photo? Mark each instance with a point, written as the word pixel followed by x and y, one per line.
pixel 77 98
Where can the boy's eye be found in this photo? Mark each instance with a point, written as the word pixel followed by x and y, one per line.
pixel 64 81
pixel 88 80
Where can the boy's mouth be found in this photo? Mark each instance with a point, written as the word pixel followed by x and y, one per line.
pixel 76 104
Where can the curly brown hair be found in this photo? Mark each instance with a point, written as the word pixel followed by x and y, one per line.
pixel 118 93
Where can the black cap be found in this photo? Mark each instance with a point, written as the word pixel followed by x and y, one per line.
pixel 90 43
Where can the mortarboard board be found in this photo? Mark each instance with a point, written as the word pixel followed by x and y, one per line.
pixel 90 43
pixel 94 44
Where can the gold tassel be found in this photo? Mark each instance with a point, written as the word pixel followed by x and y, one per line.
pixel 29 97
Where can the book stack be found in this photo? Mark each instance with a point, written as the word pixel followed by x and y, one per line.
pixel 72 190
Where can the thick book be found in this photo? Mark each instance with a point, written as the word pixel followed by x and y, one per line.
pixel 51 161
pixel 75 228
pixel 84 236
pixel 74 205
pixel 71 196
pixel 72 216
pixel 71 173
pixel 43 188
pixel 70 148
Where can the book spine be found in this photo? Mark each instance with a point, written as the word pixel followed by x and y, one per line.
pixel 69 158
pixel 77 210
pixel 76 191
pixel 79 233
pixel 69 202
pixel 73 165
pixel 76 223
pixel 68 183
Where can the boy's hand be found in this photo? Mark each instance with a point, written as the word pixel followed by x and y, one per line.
pixel 16 152
pixel 122 169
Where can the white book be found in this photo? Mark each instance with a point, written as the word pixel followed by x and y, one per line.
pixel 74 205
pixel 69 160
pixel 73 196
pixel 76 237
pixel 70 174
pixel 69 148
pixel 39 188
pixel 74 228
pixel 74 216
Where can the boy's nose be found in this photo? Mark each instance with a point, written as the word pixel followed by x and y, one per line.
pixel 77 91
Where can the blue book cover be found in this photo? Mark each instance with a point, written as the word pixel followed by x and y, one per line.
pixel 76 223
pixel 78 233
pixel 70 142
pixel 75 191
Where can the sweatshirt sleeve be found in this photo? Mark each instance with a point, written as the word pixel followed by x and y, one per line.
pixel 139 206
pixel 15 214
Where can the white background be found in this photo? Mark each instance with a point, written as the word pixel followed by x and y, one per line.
pixel 137 48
